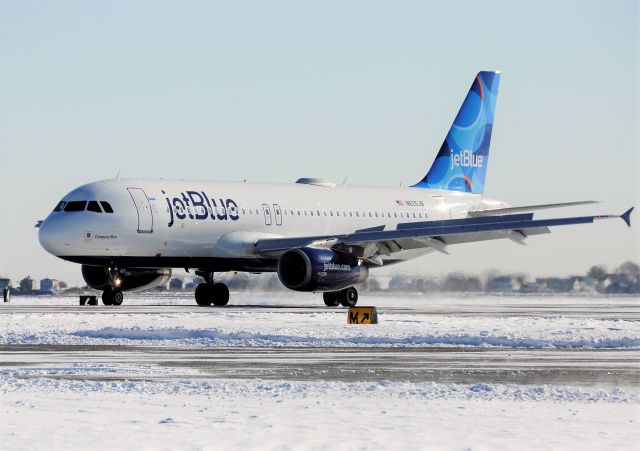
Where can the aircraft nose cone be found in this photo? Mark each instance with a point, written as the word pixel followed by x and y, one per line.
pixel 50 237
pixel 44 236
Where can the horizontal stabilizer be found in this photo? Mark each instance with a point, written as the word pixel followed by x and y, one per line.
pixel 510 210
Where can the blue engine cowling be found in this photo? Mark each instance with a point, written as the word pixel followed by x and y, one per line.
pixel 314 269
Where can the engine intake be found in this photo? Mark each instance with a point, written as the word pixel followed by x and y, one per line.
pixel 131 279
pixel 313 269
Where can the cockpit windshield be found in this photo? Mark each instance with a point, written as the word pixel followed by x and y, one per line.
pixel 75 205
pixel 82 205
pixel 94 206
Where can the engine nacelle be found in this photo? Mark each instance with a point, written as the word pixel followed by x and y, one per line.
pixel 313 269
pixel 129 279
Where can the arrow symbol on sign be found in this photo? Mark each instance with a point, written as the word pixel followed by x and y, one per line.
pixel 365 317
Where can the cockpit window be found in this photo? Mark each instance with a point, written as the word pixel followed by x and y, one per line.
pixel 60 206
pixel 106 206
pixel 77 205
pixel 94 206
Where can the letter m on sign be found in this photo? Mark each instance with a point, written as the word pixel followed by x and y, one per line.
pixel 362 315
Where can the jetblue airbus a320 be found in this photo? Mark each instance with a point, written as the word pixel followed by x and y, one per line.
pixel 318 236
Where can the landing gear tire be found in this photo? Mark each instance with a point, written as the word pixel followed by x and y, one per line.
pixel 349 297
pixel 331 298
pixel 112 297
pixel 204 295
pixel 117 297
pixel 220 294
pixel 107 297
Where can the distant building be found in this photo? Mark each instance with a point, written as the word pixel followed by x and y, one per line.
pixel 49 285
pixel 503 284
pixel 176 284
pixel 28 285
pixel 585 285
pixel 4 283
pixel 618 284
pixel 194 283
pixel 556 284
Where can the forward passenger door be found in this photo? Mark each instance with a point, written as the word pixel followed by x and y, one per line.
pixel 145 217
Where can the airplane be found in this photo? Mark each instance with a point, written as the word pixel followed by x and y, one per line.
pixel 317 235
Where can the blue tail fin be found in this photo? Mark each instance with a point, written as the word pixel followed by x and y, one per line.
pixel 461 164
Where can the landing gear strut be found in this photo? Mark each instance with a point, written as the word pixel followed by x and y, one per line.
pixel 208 292
pixel 347 297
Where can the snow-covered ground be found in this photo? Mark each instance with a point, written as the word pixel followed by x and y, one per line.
pixel 68 408
pixel 223 414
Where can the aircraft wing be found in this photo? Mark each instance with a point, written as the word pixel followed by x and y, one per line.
pixel 509 210
pixel 372 244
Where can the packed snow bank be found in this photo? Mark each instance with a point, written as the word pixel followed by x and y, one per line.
pixel 50 381
pixel 215 337
pixel 485 321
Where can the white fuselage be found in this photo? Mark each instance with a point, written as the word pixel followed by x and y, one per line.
pixel 168 223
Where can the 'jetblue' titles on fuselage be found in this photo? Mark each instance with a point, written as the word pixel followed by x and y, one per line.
pixel 199 206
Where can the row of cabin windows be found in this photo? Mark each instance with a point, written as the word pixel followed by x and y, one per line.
pixel 345 213
pixel 82 205
pixel 292 212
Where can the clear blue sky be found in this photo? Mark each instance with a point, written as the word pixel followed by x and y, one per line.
pixel 272 91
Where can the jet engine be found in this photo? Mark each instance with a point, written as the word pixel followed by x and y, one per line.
pixel 316 269
pixel 125 279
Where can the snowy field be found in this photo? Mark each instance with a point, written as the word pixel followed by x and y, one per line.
pixel 53 402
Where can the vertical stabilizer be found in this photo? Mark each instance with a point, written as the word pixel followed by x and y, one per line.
pixel 461 164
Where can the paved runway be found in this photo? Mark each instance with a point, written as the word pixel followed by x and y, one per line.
pixel 417 364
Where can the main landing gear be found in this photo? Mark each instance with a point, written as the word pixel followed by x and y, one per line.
pixel 208 292
pixel 347 297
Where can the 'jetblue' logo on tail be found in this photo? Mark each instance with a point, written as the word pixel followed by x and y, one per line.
pixel 466 159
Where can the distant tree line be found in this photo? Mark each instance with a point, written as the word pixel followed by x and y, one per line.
pixel 624 279
pixel 598 279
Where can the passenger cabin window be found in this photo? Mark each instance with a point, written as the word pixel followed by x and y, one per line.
pixel 76 205
pixel 60 206
pixel 94 206
pixel 106 206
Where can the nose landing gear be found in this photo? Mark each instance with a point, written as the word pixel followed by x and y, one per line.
pixel 112 297
pixel 208 292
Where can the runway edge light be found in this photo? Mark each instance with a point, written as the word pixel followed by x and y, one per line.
pixel 362 315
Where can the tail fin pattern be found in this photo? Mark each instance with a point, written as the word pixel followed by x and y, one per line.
pixel 461 164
